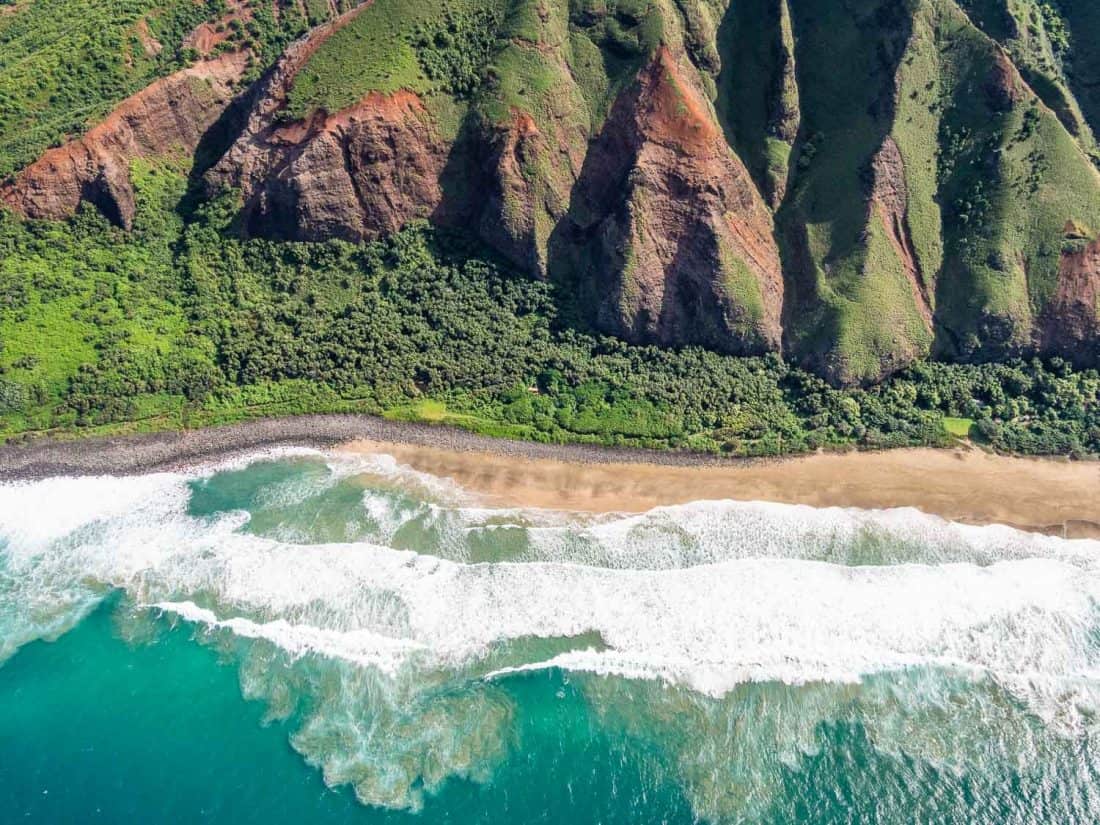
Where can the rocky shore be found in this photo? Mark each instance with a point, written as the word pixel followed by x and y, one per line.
pixel 152 452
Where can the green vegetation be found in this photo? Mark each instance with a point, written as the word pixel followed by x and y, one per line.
pixel 1011 180
pixel 417 45
pixel 64 64
pixel 1040 37
pixel 511 54
pixel 182 323
pixel 862 315
pixel 179 324
pixel 958 427
pixel 989 175
pixel 757 98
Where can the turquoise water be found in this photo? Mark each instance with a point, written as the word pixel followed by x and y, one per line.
pixel 311 637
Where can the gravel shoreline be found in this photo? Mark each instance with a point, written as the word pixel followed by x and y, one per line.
pixel 963 485
pixel 153 452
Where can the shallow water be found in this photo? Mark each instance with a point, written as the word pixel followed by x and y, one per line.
pixel 302 636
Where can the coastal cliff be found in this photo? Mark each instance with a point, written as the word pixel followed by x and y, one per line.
pixel 690 173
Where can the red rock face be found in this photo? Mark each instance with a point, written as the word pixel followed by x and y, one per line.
pixel 208 36
pixel 1071 322
pixel 1004 87
pixel 679 239
pixel 168 117
pixel 356 175
pixel 371 169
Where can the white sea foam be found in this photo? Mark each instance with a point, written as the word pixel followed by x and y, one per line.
pixel 743 605
pixel 357 646
pixel 712 531
pixel 708 599
pixel 710 627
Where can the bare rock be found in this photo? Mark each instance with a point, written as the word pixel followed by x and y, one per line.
pixel 168 117
pixel 677 240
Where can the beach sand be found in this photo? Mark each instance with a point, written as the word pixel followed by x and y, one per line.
pixel 1050 495
pixel 970 486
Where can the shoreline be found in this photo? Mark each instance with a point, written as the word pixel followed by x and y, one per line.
pixel 1054 496
pixel 138 453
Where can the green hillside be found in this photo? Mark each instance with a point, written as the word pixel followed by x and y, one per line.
pixel 64 64
pixel 907 189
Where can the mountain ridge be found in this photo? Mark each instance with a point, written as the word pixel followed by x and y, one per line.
pixel 856 185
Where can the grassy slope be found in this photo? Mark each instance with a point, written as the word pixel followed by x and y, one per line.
pixel 64 64
pixel 1013 180
pixel 382 49
pixel 855 312
pixel 990 187
pixel 517 49
pixel 1045 40
pixel 915 129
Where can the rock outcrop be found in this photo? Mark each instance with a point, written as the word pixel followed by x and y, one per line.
pixel 355 175
pixel 1071 322
pixel 521 208
pixel 676 239
pixel 169 117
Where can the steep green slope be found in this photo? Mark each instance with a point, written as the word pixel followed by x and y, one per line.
pixel 1052 44
pixel 64 63
pixel 853 310
pixel 1081 58
pixel 931 188
pixel 757 93
pixel 1017 191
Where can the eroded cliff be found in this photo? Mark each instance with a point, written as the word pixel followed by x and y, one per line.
pixel 856 185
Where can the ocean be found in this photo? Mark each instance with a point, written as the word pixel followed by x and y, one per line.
pixel 309 636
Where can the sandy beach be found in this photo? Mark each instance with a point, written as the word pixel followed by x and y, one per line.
pixel 967 485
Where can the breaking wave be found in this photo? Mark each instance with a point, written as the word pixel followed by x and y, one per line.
pixel 388 612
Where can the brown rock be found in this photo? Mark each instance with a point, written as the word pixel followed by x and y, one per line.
pixel 1004 87
pixel 1070 324
pixel 679 239
pixel 527 176
pixel 509 219
pixel 356 174
pixel 168 117
pixel 364 172
pixel 206 36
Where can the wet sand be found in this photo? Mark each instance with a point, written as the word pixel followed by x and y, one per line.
pixel 970 486
pixel 1052 495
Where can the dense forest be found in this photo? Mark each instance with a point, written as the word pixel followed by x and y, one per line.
pixel 181 323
